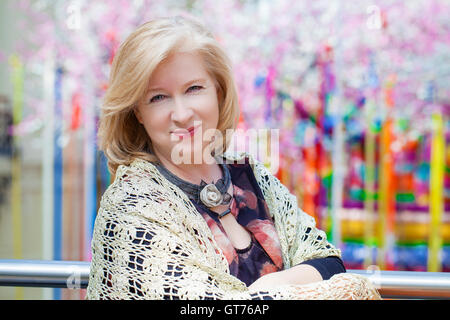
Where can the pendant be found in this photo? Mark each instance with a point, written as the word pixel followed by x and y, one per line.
pixel 211 196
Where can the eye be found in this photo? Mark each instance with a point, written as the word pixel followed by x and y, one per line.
pixel 157 98
pixel 194 88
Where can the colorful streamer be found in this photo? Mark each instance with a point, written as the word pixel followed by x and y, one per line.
pixel 369 187
pixel 89 178
pixel 386 203
pixel 48 168
pixel 436 194
pixel 16 163
pixel 370 164
pixel 58 172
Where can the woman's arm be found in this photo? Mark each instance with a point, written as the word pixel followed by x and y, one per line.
pixel 313 270
pixel 298 275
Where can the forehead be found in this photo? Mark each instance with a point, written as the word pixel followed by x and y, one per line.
pixel 178 69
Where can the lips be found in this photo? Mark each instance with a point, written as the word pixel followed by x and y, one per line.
pixel 182 133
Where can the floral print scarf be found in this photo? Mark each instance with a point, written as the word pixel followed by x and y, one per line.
pixel 250 210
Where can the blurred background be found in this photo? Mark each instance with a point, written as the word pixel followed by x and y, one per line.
pixel 359 91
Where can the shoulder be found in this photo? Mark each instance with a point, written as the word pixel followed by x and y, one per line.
pixel 262 173
pixel 140 188
pixel 130 178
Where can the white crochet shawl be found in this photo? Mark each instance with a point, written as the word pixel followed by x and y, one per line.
pixel 150 242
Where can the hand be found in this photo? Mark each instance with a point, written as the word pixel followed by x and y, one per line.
pixel 300 274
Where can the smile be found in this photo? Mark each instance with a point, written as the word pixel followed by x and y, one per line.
pixel 185 133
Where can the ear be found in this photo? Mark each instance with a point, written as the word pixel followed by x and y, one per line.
pixel 138 114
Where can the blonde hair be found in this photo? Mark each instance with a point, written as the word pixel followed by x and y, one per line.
pixel 120 135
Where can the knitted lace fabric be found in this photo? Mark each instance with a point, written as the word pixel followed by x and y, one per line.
pixel 150 242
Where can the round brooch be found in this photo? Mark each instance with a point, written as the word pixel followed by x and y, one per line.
pixel 212 197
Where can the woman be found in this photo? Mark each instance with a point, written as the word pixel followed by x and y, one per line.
pixel 183 219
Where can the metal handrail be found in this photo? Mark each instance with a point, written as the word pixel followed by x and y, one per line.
pixel 43 273
pixel 75 275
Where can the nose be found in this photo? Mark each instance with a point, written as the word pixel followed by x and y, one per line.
pixel 182 113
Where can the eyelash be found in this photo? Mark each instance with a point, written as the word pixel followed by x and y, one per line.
pixel 198 87
pixel 159 97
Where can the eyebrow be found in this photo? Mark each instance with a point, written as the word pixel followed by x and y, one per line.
pixel 187 84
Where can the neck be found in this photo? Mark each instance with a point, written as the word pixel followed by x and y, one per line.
pixel 193 173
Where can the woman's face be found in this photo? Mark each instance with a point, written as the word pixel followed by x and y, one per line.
pixel 180 105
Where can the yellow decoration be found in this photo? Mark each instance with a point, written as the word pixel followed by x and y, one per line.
pixel 436 193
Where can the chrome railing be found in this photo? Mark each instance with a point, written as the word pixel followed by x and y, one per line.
pixel 75 275
pixel 46 274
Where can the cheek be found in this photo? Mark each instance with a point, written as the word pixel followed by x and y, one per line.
pixel 210 109
pixel 155 123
